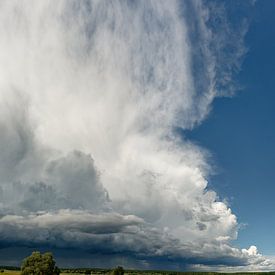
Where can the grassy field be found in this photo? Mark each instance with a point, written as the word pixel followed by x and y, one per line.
pixel 10 272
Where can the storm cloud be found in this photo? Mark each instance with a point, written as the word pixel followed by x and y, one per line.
pixel 92 96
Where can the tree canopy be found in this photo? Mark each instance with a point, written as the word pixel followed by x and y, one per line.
pixel 39 264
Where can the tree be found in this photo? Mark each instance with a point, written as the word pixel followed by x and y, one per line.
pixel 39 264
pixel 118 271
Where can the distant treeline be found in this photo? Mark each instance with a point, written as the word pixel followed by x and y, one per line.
pixel 85 270
pixel 148 272
pixel 164 272
pixel 7 267
pixel 155 272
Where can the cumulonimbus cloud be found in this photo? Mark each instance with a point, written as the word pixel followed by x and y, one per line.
pixel 91 96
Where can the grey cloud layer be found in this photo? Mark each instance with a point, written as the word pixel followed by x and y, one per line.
pixel 91 94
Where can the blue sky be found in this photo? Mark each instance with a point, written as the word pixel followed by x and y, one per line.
pixel 240 134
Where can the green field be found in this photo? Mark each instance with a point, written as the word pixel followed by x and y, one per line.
pixel 10 272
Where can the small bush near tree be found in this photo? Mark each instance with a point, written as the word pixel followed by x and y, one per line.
pixel 118 271
pixel 39 264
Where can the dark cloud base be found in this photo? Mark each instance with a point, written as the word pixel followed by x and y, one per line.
pixel 73 258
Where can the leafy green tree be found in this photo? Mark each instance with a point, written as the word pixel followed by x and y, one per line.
pixel 118 271
pixel 39 264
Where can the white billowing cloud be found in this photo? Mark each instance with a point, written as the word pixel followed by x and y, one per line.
pixel 91 95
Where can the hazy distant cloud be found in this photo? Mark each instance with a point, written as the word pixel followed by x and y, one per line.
pixel 91 94
pixel 70 182
pixel 77 182
pixel 16 139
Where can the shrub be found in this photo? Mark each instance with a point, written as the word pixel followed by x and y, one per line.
pixel 118 271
